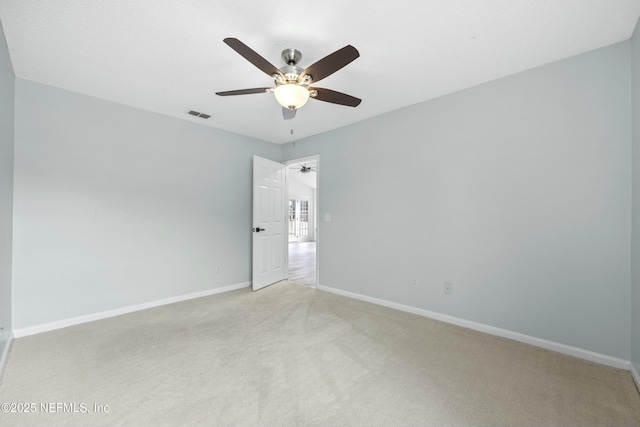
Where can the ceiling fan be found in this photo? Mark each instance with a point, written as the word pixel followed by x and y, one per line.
pixel 306 169
pixel 292 84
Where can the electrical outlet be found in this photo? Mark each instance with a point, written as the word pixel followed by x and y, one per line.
pixel 448 288
pixel 414 283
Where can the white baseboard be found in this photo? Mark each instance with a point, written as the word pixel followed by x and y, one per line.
pixel 59 324
pixel 635 375
pixel 491 330
pixel 5 353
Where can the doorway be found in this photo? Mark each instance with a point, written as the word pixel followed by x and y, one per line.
pixel 302 220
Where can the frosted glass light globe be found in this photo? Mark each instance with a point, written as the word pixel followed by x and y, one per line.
pixel 291 95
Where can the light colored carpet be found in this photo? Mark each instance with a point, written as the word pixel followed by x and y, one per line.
pixel 290 355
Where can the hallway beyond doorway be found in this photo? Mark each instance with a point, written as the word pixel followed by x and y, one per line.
pixel 302 263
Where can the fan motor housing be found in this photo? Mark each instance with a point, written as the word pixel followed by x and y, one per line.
pixel 291 72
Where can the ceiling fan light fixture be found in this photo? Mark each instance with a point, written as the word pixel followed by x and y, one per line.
pixel 291 95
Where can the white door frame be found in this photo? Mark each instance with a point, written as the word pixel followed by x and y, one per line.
pixel 288 163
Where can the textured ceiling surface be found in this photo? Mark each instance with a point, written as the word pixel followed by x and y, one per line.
pixel 167 56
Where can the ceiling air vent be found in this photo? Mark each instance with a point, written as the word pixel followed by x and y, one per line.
pixel 199 114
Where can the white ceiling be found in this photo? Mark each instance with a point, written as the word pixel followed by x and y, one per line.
pixel 167 56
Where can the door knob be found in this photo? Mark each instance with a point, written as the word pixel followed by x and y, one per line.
pixel 257 230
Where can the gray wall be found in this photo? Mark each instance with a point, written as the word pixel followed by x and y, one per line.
pixel 635 248
pixel 116 206
pixel 7 91
pixel 516 191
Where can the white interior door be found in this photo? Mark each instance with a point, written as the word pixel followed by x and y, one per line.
pixel 269 222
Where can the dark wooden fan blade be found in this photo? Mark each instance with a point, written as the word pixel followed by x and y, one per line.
pixel 328 95
pixel 244 91
pixel 251 56
pixel 330 63
pixel 288 113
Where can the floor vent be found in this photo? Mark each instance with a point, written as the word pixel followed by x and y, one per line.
pixel 199 114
